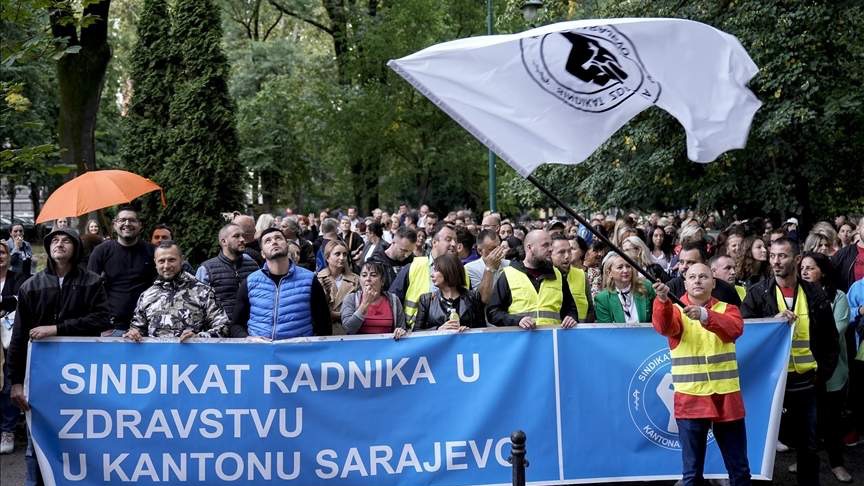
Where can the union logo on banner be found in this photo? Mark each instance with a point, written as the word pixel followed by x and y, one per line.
pixel 651 401
pixel 592 69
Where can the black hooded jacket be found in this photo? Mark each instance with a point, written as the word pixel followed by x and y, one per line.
pixel 78 308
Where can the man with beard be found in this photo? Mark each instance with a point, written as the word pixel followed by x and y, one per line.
pixel 225 271
pixel 281 300
pixel 176 304
pixel 576 278
pixel 126 266
pixel 533 292
pixel 62 300
pixel 815 347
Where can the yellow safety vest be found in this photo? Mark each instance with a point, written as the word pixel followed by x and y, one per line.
pixel 544 307
pixel 702 364
pixel 576 282
pixel 419 283
pixel 742 292
pixel 801 360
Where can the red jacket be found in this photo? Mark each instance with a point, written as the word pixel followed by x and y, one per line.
pixel 728 326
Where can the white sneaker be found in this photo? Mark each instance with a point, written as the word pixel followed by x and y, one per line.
pixel 7 442
pixel 781 447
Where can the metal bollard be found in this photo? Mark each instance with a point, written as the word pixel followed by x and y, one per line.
pixel 517 457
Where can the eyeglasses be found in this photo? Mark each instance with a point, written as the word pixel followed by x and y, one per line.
pixel 127 220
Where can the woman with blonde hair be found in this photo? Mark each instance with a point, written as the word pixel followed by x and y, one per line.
pixel 336 277
pixel 626 297
pixel 637 250
pixel 821 239
pixel 264 221
pixel 622 230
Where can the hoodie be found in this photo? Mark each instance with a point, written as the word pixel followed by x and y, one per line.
pixel 77 308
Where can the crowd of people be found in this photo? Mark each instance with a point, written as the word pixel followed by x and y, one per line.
pixel 287 276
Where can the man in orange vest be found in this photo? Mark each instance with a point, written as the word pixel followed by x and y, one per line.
pixel 704 374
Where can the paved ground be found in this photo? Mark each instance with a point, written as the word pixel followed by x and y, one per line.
pixel 12 467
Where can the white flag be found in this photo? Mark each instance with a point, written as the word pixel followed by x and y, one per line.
pixel 555 93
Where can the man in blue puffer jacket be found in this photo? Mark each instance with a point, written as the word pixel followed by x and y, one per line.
pixel 281 300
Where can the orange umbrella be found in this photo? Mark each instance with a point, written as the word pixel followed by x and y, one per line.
pixel 94 190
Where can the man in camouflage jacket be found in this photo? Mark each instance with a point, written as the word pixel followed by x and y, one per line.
pixel 176 304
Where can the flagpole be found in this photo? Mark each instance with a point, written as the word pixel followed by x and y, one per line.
pixel 493 202
pixel 590 228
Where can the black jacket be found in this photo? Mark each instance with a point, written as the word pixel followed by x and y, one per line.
pixel 9 296
pixel 225 276
pixel 844 262
pixel 79 308
pixel 761 301
pixel 431 315
pixel 307 254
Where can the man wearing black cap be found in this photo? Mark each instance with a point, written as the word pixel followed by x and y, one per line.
pixel 82 311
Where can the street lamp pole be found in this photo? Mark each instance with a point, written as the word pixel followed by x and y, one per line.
pixel 493 203
pixel 530 9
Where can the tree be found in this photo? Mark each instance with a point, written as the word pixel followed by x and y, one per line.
pixel 29 153
pixel 80 76
pixel 205 175
pixel 803 154
pixel 146 141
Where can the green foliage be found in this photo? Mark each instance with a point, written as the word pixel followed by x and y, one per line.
pixel 28 108
pixel 203 175
pixel 146 138
pixel 803 154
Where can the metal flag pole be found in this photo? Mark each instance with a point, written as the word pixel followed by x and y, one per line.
pixel 590 228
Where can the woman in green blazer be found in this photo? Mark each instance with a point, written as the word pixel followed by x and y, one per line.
pixel 626 298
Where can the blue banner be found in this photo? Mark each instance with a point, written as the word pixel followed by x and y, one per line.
pixel 434 408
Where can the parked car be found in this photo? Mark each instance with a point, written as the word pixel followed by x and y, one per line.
pixel 5 227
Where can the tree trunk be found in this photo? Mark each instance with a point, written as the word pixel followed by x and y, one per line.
pixel 34 199
pixel 80 78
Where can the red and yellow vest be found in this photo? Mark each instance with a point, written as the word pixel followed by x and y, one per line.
pixel 702 364
pixel 801 359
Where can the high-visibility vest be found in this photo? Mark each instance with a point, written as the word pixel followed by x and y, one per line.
pixel 742 292
pixel 544 306
pixel 801 359
pixel 702 364
pixel 419 283
pixel 576 282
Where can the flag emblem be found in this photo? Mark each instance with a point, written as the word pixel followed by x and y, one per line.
pixel 651 399
pixel 591 69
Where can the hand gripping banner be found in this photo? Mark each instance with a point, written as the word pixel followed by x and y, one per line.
pixel 433 408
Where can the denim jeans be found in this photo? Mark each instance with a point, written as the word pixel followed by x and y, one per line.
pixel 731 438
pixel 801 422
pixel 8 411
pixel 34 475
